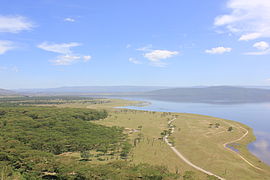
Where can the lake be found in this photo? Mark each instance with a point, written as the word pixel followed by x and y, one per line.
pixel 256 116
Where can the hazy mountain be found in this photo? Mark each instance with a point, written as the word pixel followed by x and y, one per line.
pixel 258 87
pixel 216 94
pixel 4 92
pixel 76 90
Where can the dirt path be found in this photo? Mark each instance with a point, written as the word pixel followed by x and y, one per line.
pixel 183 157
pixel 239 139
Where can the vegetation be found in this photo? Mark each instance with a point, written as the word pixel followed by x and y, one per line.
pixel 201 145
pixel 31 138
pixel 230 128
pixel 81 143
pixel 48 100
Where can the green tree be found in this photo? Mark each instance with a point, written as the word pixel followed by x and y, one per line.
pixel 85 155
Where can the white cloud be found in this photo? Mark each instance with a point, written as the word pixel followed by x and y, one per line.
pixel 263 49
pixel 249 36
pixel 14 24
pixel 67 57
pixel 262 45
pixel 128 46
pixel 134 61
pixel 69 19
pixel 218 50
pixel 6 46
pixel 65 60
pixel 145 48
pixel 249 19
pixel 155 56
pixel 86 58
pixel 63 48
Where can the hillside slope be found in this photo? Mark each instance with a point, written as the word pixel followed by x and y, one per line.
pixel 215 94
pixel 77 90
pixel 4 92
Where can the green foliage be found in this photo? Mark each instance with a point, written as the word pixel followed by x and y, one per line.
pixel 164 133
pixel 217 125
pixel 117 170
pixel 125 150
pixel 230 128
pixel 31 138
pixel 85 155
pixel 47 100
pixel 57 130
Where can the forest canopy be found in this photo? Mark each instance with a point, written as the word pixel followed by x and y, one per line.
pixel 31 138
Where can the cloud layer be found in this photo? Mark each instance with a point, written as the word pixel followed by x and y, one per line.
pixel 67 57
pixel 218 50
pixel 64 48
pixel 262 47
pixel 14 24
pixel 155 56
pixel 250 19
pixel 69 19
pixel 6 46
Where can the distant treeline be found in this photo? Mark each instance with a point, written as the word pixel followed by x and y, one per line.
pixel 27 98
pixel 48 100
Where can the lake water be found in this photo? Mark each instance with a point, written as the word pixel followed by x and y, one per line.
pixel 256 116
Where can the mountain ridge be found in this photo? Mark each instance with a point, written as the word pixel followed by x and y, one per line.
pixel 213 94
pixel 5 92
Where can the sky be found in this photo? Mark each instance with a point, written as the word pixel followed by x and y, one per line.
pixel 54 43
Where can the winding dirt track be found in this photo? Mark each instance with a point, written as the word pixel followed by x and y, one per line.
pixel 239 139
pixel 184 158
pixel 224 145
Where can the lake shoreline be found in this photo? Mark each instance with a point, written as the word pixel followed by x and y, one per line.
pixel 244 148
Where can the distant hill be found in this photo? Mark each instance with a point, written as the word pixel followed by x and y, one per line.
pixel 258 87
pixel 215 94
pixel 77 90
pixel 198 94
pixel 4 92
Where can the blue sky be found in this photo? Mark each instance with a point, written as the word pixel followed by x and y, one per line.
pixel 52 43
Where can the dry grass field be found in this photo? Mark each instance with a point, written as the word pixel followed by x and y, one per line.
pixel 199 138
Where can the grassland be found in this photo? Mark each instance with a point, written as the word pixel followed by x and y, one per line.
pixel 199 138
pixel 64 143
